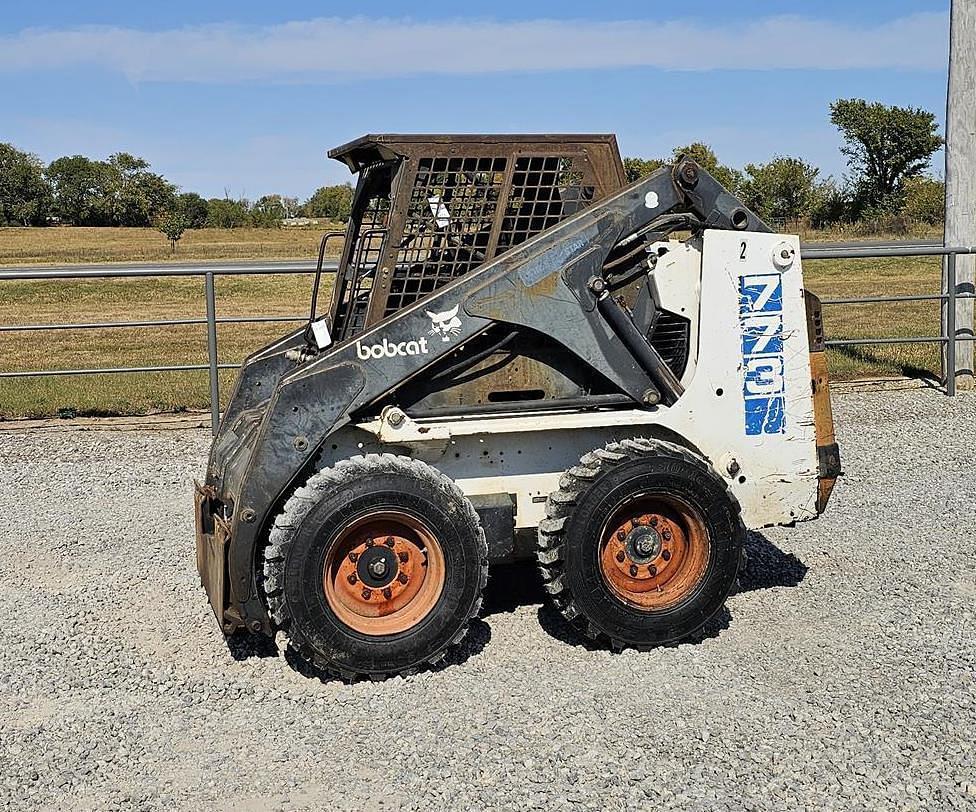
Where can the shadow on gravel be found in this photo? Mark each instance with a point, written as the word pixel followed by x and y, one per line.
pixel 244 646
pixel 479 633
pixel 513 585
pixel 767 566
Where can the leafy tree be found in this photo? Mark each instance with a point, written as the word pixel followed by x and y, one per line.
pixel 268 212
pixel 884 145
pixel 137 196
pixel 923 200
pixel 25 196
pixel 828 204
pixel 636 168
pixel 194 208
pixel 705 157
pixel 173 224
pixel 333 202
pixel 118 192
pixel 80 189
pixel 222 212
pixel 783 188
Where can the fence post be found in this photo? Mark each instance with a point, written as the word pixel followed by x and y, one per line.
pixel 960 183
pixel 950 324
pixel 212 354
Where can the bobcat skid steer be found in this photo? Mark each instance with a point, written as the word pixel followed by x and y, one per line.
pixel 520 360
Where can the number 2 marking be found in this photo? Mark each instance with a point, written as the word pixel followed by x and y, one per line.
pixel 742 250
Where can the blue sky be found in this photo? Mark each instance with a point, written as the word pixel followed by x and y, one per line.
pixel 247 97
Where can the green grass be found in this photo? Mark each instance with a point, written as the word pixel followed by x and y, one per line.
pixel 51 301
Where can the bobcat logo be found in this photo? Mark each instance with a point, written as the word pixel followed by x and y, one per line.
pixel 445 324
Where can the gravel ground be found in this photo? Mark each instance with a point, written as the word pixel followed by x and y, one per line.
pixel 841 677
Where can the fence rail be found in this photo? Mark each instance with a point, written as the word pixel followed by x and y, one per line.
pixel 948 296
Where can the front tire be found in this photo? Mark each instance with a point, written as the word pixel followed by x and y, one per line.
pixel 641 545
pixel 376 567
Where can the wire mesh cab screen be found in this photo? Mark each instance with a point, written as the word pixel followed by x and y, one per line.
pixel 428 209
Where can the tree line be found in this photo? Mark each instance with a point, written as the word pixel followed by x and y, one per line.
pixel 124 191
pixel 888 150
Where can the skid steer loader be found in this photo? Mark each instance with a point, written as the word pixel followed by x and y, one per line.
pixel 522 357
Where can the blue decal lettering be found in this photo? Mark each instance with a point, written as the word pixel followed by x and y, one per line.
pixel 764 378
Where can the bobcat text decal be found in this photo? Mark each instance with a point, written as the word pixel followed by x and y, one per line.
pixel 444 324
pixel 761 321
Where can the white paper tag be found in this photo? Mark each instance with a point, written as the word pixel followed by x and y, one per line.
pixel 441 213
pixel 320 330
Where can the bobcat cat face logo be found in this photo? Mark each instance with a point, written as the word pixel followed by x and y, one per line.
pixel 445 324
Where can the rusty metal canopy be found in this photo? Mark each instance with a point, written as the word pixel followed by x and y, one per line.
pixel 375 147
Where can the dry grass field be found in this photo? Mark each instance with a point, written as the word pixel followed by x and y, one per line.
pixel 55 246
pixel 137 299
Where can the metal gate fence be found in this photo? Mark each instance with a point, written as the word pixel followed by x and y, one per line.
pixel 947 338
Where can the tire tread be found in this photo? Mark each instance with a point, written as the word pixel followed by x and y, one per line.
pixel 559 507
pixel 297 508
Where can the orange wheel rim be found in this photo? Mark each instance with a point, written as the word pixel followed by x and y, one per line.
pixel 384 573
pixel 653 551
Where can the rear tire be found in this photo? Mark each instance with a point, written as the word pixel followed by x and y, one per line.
pixel 376 567
pixel 641 545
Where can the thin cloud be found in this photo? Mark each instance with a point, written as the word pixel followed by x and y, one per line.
pixel 341 49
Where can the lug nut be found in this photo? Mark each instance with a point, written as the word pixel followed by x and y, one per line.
pixel 351 578
pixel 621 556
pixel 652 570
pixel 367 594
pixel 633 570
pixel 354 557
pixel 621 535
pixel 387 593
pixel 370 542
pixel 404 556
pixel 666 555
pixel 389 541
pixel 402 577
pixel 666 535
pixel 653 521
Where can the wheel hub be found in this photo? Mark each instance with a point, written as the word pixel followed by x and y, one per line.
pixel 383 573
pixel 643 544
pixel 654 552
pixel 377 566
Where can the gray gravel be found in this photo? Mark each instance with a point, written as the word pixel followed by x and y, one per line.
pixel 842 676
